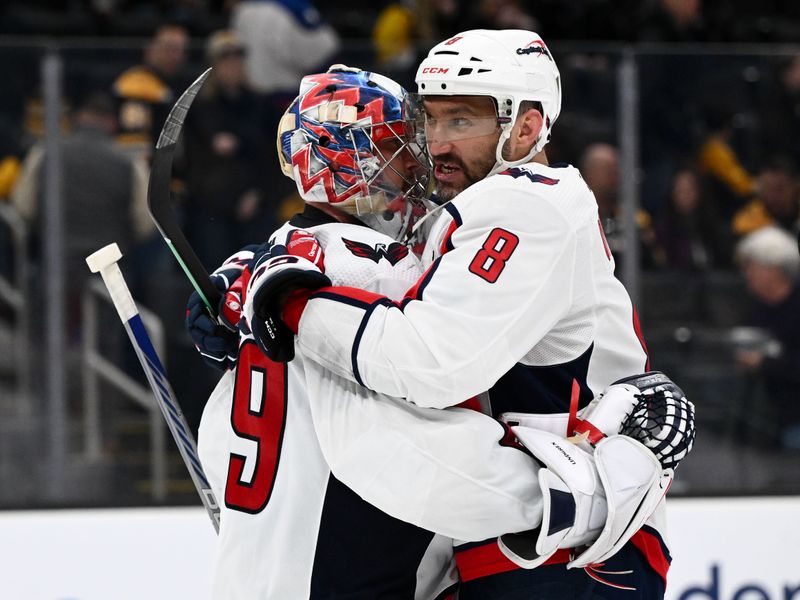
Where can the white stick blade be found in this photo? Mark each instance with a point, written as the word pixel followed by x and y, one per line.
pixel 103 258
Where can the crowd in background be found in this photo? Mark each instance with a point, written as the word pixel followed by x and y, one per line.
pixel 620 20
pixel 719 135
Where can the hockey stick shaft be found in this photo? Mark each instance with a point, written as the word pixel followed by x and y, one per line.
pixel 104 261
pixel 158 199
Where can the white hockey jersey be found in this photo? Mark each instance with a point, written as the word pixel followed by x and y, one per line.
pixel 274 437
pixel 519 298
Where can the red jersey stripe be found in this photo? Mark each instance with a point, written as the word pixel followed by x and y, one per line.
pixel 488 559
pixel 637 327
pixel 448 234
pixel 482 561
pixel 650 545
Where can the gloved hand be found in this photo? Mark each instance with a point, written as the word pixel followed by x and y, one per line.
pixel 277 273
pixel 663 420
pixel 217 339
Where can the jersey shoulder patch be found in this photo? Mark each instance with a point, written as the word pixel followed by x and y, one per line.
pixel 517 172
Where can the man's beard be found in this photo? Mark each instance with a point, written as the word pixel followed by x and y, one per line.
pixel 478 171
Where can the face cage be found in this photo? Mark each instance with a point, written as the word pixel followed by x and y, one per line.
pixel 383 205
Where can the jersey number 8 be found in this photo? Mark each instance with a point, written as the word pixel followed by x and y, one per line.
pixel 491 259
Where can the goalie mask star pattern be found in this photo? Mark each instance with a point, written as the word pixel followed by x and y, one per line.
pixel 348 140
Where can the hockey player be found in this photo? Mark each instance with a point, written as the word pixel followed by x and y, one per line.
pixel 289 528
pixel 518 297
pixel 271 435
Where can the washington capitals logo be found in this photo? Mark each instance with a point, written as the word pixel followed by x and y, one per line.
pixel 394 252
pixel 534 177
pixel 535 47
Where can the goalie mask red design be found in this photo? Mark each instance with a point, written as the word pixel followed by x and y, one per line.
pixel 348 140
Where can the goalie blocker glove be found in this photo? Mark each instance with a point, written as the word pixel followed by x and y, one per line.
pixel 593 502
pixel 276 276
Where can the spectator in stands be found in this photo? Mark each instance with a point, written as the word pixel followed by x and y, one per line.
pixel 103 192
pixel 285 40
pixel 599 166
pixel 405 27
pixel 776 202
pixel 780 123
pixel 9 161
pixel 730 183
pixel 230 158
pixel 145 93
pixel 770 264
pixel 395 35
pixel 669 84
pixel 692 235
pixel 9 173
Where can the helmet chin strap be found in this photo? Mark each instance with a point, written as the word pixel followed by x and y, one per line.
pixel 501 164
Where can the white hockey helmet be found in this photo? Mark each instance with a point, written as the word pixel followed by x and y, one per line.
pixel 510 66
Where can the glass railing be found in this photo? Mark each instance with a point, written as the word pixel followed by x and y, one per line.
pixel 678 143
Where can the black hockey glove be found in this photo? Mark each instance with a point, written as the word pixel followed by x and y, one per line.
pixel 216 342
pixel 217 338
pixel 275 275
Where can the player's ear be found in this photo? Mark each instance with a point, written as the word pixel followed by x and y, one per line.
pixel 525 132
pixel 530 123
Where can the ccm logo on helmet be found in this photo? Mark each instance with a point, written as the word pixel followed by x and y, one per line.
pixel 436 70
pixel 535 47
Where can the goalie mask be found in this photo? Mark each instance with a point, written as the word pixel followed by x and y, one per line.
pixel 347 140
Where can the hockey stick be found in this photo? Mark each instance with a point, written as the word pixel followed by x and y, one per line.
pixel 158 199
pixel 158 202
pixel 104 261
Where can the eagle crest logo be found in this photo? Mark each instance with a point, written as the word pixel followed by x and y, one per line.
pixel 394 252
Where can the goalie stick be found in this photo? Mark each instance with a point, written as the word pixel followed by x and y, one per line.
pixel 104 261
pixel 158 199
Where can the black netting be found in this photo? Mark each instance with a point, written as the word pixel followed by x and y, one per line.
pixel 664 422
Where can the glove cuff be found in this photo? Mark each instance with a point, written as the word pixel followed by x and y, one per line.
pixel 294 306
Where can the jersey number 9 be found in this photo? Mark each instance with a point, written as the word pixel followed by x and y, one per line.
pixel 258 414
